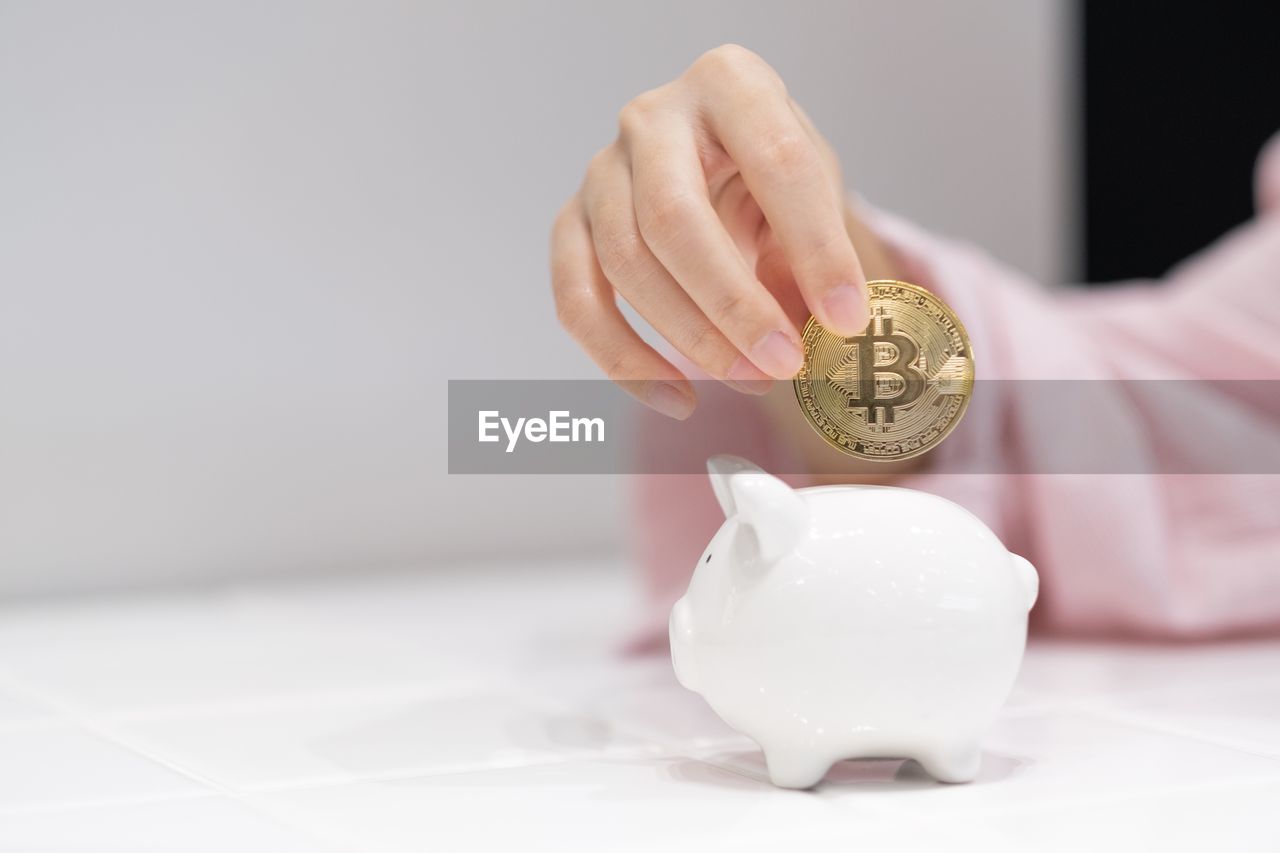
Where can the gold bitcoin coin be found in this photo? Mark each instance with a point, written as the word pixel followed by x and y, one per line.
pixel 896 390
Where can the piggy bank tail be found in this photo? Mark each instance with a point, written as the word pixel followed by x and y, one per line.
pixel 1028 578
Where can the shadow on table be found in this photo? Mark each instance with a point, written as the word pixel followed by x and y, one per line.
pixel 746 768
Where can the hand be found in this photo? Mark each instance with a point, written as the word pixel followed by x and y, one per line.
pixel 718 214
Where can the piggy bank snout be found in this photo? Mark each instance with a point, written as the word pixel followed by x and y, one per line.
pixel 682 658
pixel 1028 578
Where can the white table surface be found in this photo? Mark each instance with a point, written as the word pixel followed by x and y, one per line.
pixel 487 708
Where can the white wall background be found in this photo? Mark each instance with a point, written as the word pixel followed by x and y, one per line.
pixel 244 244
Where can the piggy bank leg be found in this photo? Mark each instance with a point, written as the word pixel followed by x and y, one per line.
pixel 793 769
pixel 953 763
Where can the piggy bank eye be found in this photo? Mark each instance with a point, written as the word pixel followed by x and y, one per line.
pixel 708 560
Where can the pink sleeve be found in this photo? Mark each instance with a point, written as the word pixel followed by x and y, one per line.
pixel 1158 555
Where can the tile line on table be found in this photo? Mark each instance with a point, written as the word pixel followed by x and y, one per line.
pixel 353 697
pixel 318 783
pixel 52 722
pixel 1065 803
pixel 48 714
pixel 1138 719
pixel 641 744
pixel 211 788
pixel 449 686
pixel 995 835
pixel 111 727
pixel 1190 654
pixel 86 722
pixel 90 804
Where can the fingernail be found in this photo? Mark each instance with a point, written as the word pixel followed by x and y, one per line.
pixel 748 378
pixel 745 374
pixel 669 400
pixel 846 310
pixel 777 355
pixel 755 387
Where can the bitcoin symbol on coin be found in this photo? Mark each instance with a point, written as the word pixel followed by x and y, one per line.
pixel 879 372
pixel 896 390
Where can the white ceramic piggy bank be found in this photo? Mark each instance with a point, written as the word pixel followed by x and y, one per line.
pixel 851 622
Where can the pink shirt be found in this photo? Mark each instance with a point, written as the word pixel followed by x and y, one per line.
pixel 1157 555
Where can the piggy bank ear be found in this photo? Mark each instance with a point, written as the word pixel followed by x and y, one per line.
pixel 768 510
pixel 722 468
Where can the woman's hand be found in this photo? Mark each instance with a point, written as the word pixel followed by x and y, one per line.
pixel 718 214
